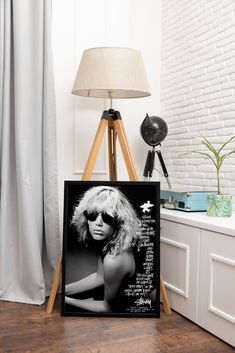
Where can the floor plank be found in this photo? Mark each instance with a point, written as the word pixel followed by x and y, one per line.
pixel 137 345
pixel 27 329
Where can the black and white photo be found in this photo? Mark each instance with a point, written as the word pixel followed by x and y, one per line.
pixel 111 249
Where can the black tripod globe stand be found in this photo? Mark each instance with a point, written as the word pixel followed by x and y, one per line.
pixel 153 131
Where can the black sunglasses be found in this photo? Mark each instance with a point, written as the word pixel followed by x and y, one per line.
pixel 92 216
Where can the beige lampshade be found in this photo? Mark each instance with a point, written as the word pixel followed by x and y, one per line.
pixel 110 72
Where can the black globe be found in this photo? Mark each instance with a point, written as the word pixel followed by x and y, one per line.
pixel 153 130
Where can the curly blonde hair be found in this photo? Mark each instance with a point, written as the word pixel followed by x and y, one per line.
pixel 112 201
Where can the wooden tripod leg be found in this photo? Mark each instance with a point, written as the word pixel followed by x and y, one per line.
pixel 165 300
pixel 95 149
pixel 125 150
pixel 133 176
pixel 54 287
pixel 112 137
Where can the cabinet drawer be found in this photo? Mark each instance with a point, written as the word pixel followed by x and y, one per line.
pixel 180 266
pixel 217 285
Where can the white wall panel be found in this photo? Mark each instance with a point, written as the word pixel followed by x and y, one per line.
pixel 90 30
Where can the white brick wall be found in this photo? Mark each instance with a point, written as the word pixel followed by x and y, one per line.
pixel 198 88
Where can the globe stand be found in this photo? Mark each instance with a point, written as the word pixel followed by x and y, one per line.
pixel 149 164
pixel 112 120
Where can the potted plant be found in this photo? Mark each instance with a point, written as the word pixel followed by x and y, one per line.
pixel 219 204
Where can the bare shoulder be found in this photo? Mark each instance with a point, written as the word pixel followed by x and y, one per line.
pixel 123 263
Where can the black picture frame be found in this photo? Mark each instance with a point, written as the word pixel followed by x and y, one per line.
pixel 126 295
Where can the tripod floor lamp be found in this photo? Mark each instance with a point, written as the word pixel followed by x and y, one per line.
pixel 112 73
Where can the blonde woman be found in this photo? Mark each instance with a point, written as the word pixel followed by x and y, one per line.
pixel 105 216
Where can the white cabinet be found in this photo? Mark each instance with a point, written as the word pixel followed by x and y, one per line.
pixel 217 285
pixel 179 266
pixel 198 268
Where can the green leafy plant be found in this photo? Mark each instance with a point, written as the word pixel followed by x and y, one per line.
pixel 215 156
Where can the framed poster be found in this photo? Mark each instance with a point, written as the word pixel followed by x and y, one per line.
pixel 111 249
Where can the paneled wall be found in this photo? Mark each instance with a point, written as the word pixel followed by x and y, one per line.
pixel 81 24
pixel 198 88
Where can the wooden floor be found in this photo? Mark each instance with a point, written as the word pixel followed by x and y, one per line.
pixel 27 328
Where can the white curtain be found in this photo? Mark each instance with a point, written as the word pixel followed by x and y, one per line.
pixel 29 222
